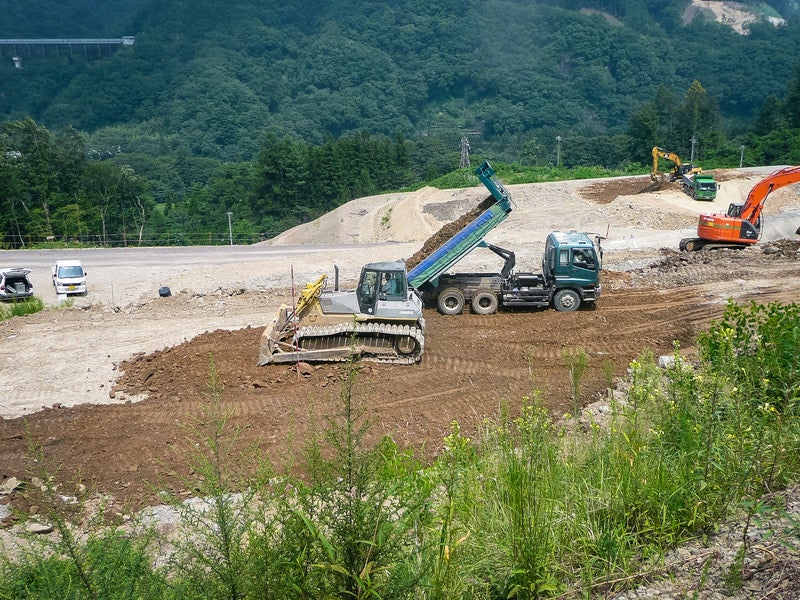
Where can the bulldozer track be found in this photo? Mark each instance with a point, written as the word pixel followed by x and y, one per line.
pixel 379 340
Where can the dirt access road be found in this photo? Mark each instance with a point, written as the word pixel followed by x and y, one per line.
pixel 109 386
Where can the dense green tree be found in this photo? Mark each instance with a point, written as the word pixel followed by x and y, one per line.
pixel 699 121
pixel 770 117
pixel 242 135
pixel 102 185
pixel 29 151
pixel 213 82
pixel 281 175
pixel 643 132
pixel 777 147
pixel 792 103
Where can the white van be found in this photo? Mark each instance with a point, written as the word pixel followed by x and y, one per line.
pixel 69 277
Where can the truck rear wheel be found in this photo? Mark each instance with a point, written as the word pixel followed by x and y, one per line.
pixel 451 301
pixel 484 302
pixel 566 300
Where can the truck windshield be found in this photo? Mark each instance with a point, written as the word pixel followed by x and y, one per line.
pixel 70 272
pixel 583 258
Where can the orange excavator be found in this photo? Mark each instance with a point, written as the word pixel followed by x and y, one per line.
pixel 741 226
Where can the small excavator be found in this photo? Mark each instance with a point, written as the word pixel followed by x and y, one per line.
pixel 677 171
pixel 741 225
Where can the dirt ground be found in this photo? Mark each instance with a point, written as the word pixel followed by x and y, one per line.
pixel 140 381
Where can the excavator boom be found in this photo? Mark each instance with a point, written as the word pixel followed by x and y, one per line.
pixel 677 171
pixel 751 211
pixel 655 175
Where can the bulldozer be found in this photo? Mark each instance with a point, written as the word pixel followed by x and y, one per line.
pixel 380 321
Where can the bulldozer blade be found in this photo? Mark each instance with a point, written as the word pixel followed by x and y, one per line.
pixel 333 354
pixel 276 335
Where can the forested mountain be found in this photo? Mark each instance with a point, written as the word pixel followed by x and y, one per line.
pixel 210 78
pixel 208 83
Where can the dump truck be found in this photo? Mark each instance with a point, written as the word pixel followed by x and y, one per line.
pixel 700 186
pixel 381 321
pixel 570 273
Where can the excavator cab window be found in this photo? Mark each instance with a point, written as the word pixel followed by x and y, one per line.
pixel 735 210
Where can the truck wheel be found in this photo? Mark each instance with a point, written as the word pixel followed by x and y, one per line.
pixel 451 301
pixel 484 302
pixel 566 300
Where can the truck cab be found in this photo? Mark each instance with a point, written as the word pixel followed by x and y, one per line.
pixel 571 269
pixel 570 275
pixel 570 258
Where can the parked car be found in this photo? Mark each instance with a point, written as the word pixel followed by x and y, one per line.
pixel 14 283
pixel 69 277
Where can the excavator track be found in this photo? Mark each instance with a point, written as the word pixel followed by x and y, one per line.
pixel 400 344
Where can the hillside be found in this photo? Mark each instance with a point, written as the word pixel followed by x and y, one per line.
pixel 210 82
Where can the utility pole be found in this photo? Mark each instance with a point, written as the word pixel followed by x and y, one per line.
pixel 741 155
pixel 694 141
pixel 464 153
pixel 558 150
pixel 230 229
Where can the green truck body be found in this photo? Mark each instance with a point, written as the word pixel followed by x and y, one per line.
pixel 700 186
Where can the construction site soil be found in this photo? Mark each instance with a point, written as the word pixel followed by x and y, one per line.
pixel 473 365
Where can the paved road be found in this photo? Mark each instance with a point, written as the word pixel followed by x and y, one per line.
pixel 125 275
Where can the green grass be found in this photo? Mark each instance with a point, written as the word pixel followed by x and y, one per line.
pixel 19 308
pixel 512 174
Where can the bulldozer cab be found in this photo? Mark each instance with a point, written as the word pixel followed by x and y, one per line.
pixel 381 287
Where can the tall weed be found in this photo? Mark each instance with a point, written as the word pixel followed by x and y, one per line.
pixel 213 557
pixel 85 557
pixel 364 509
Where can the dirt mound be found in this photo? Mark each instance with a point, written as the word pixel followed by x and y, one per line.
pixel 434 242
pixel 606 191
